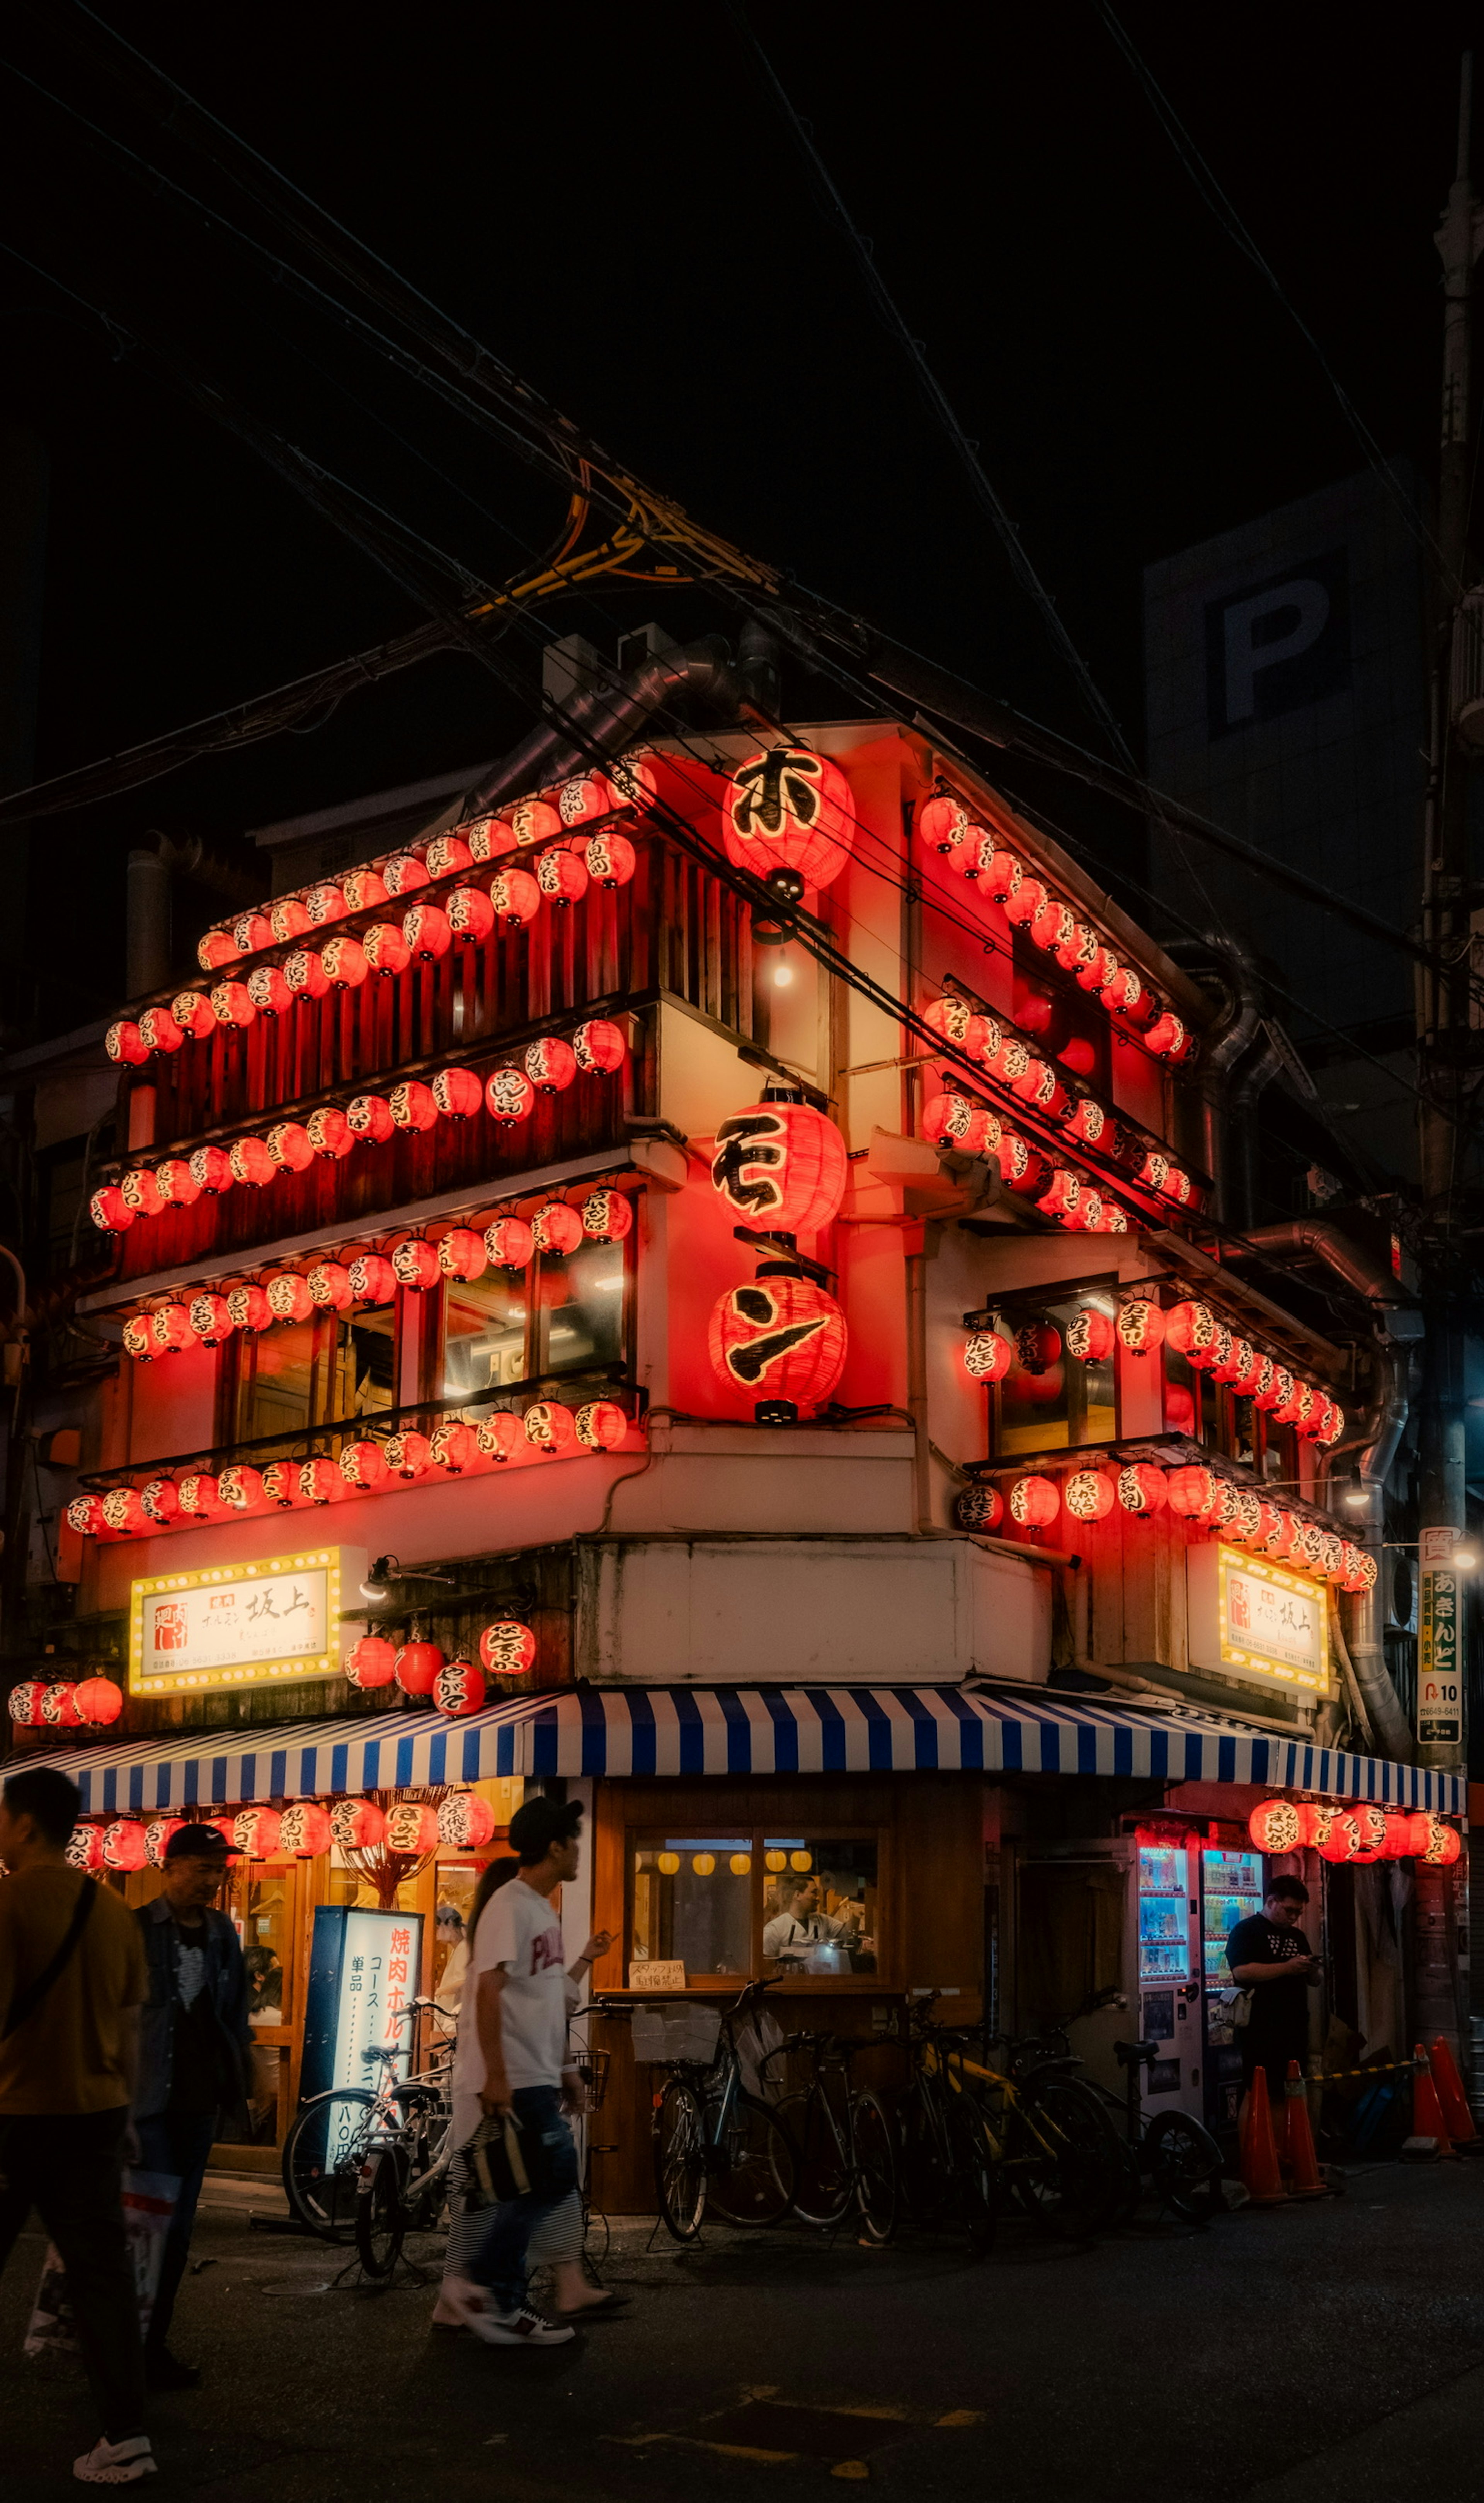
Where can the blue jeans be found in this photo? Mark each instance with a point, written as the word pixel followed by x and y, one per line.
pixel 500 2261
pixel 178 2143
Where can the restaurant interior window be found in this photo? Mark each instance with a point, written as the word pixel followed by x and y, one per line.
pixel 300 1374
pixel 693 1902
pixel 1051 1399
pixel 485 1331
pixel 263 1901
pixel 819 1905
pixel 579 1309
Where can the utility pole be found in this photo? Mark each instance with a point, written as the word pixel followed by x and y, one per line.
pixel 1445 1032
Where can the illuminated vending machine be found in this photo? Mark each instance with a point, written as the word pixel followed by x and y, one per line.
pixel 1230 1889
pixel 1169 1984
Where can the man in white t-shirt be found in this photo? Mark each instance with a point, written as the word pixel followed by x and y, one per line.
pixel 514 2057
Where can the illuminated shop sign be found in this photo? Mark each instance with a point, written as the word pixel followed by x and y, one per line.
pixel 242 1625
pixel 364 1971
pixel 1252 1620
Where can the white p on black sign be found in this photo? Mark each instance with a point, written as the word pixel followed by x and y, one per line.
pixel 1278 644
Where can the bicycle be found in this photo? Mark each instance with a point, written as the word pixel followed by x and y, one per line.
pixel 334 2133
pixel 1176 2154
pixel 947 2155
pixel 715 2145
pixel 1046 2135
pixel 843 2142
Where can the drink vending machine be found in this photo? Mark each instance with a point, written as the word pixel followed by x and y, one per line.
pixel 1170 1990
pixel 1230 1890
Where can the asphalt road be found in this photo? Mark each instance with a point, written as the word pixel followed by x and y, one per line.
pixel 1285 2356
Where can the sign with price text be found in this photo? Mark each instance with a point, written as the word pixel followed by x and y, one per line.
pixel 263 1624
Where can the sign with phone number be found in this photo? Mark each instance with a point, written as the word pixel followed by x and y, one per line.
pixel 1439 1684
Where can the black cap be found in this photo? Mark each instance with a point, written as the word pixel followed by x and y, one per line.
pixel 541 1822
pixel 200 1842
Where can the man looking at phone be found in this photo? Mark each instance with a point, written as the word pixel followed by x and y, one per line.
pixel 1269 1955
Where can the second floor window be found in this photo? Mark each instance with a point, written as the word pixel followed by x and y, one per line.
pixel 306 1373
pixel 561 1315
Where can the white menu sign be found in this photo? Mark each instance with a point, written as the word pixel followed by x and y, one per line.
pixel 240 1624
pixel 1254 1619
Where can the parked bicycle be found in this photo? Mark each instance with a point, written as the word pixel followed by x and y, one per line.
pixel 972 2130
pixel 1173 2154
pixel 716 2145
pixel 335 2134
pixel 946 2151
pixel 844 2146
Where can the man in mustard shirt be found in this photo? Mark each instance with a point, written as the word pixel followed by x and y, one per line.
pixel 72 1977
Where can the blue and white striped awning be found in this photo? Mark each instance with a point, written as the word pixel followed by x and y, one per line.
pixel 697 1731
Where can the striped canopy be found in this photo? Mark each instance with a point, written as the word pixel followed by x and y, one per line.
pixel 699 1731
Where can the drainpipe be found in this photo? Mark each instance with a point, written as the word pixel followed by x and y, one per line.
pixel 610 717
pixel 1323 1239
pixel 1239 977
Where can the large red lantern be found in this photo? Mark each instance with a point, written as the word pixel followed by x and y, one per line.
pixel 319 1482
pixel 500 1437
pixel 84 1514
pixel 780 1341
pixel 176 1183
pixel 110 1210
pixel 162 1501
pixel 1090 1336
pixel 344 963
pixel 1140 1325
pixel 601 1426
pixel 1372 1826
pixel 1141 1489
pixel 1191 1491
pixel 252 931
pixel 363 889
pixel 371 1662
pixel 789 808
pixel 124 1044
pixel 211 1317
pixel 1343 1838
pixel 231 1004
pixel 979 1510
pixel 241 1489
pixel 211 1170
pixel 288 918
pixel 59 1705
pixel 201 1498
pixel 412 1828
pixel 268 991
pixel 1088 1494
pixel 988 1357
pixel 324 904
pixel 304 1829
pixel 356 1825
pixel 157 1833
pixel 509 1095
pixel 290 1146
pixel 556 1228
pixel 369 1118
pixel 549 1428
pixel 458 1689
pixel 427 933
pixel 141 1191
pixel 560 877
pixel 123 1845
pixel 1192 1330
pixel 251 1163
pixel 416 1667
pixel 1034 1502
pixel 1444 1845
pixel 465 1821
pixel 99 1702
pixel 510 1243
pixel 1277 1824
pixel 25 1703
pixel 256 1833
pixel 159 1032
pixel 216 948
pixel 249 1308
pixel 610 859
pixel 598 1047
pixel 386 951
pixel 945 823
pixel 402 873
pixel 373 1279
pixel 780 1165
pixel 170 1329
pixel 507 1649
pixel 124 1514
pixel 281 1485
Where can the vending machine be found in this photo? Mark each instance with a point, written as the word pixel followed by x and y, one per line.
pixel 1230 1890
pixel 1167 1932
pixel 1142 1968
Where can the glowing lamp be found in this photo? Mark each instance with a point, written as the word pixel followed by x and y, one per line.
pixel 978 1509
pixel 551 1064
pixel 1123 994
pixel 280 1486
pixel 85 1849
pixel 955 1121
pixel 241 1488
pixel 944 823
pixel 141 1191
pixel 509 1095
pixel 256 1833
pixel 211 1317
pixel 1191 1491
pixel 507 1649
pixel 453 1446
pixel 289 1146
pixel 216 948
pixel 124 1044
pixel 562 878
pixel 304 1829
pixel 356 1825
pixel 556 1228
pixel 1087 1122
pixel 232 1006
pixel 110 1210
pixel 1169 1038
pixel 84 1514
pixel 1034 1502
pixel 959 1025
pixel 461 1254
pixel 1191 1329
pixel 362 889
pixel 787 806
pixel 1343 1841
pixel 533 821
pixel 508 1243
pixel 192 1012
pixel 201 1498
pixel 269 991
pixel 1027 899
pixel 368 1117
pixel 386 951
pixel 1360 1573
pixel 465 1821
pixel 1443 1846
pixel 599 1048
pixel 1053 925
pixel 158 1031
pixel 162 1501
pixel 427 933
pixel 402 873
pixel 249 1308
pixel 1099 969
pixel 329 1286
pixel 500 1437
pixel 25 1703
pixel 585 797
pixel 124 1515
pixel 1236 1361
pixel 987 1357
pixel 549 1428
pixel 412 1106
pixel 609 859
pixel 1274 1387
pixel 324 904
pixel 1078 948
pixel 471 916
pixel 1372 1825
pixel 170 1330
pixel 781 1341
pixel 412 1827
pixel 601 1426
pixel 515 898
pixel 99 1702
pixel 1063 1195
pixel 407 1455
pixel 363 1466
pixel 371 1663
pixel 211 1170
pixel 1088 1494
pixel 1022 1167
pixel 176 1183
pixel 139 1339
pixel 1275 1826
pixel 123 1845
pixel 607 1216
pixel 330 1133
pixel 1090 1336
pixel 1141 1489
pixel 1000 876
pixel 252 931
pixel 251 1163
pixel 780 1166
pixel 157 1833
pixel 319 1482
pixel 458 1689
pixel 1038 1085
pixel 346 964
pixel 417 1666
pixel 59 1705
pixel 457 1094
pixel 415 1264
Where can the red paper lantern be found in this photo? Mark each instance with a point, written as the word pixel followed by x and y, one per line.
pixel 1141 1489
pixel 412 1106
pixel 304 1829
pixel 510 1243
pixel 251 1163
pixel 601 1426
pixel 371 1662
pixel 176 1183
pixel 25 1703
pixel 288 918
pixel 249 1308
pixel 515 897
pixel 1000 876
pixel 363 889
pixel 252 931
pixel 1088 1494
pixel 288 1296
pixel 782 1341
pixel 471 916
pixel 954 1122
pixel 1360 1573
pixel 402 873
pixel 256 1833
pixel 84 1514
pixel 1062 1196
pixel 1191 1491
pixel 562 878
pixel 124 1044
pixel 141 1191
pixel 211 1317
pixel 1274 1387
pixel 978 1510
pixel 231 1004
pixel 446 854
pixel 1192 1330
pixel 268 991
pixel 599 1048
pixel 215 949
pixel 407 1456
pixel 416 1667
pixel 549 1428
pixel 461 1254
pixel 1033 1503
pixel 110 1210
pixel 551 1064
pixel 320 1482
pixel 610 859
pixel 1275 1826
pixel 170 1330
pixel 1123 994
pixel 453 1446
pixel 304 974
pixel 415 1264
pixel 85 1849
pixel 280 1486
pixel 987 1357
pixel 1087 1122
pixel 123 1845
pixel 241 1488
pixel 1169 1038
pixel 1054 925
pixel 607 1216
pixel 1343 1841
pixel 1027 902
pixel 158 1031
pixel 58 1709
pixel 162 1501
pixel 509 1096
pixel 124 1514
pixel 1442 1847
pixel 411 1829
pixel 1374 1829
pixel 533 821
pixel 386 951
pixel 556 1227
pixel 356 1825
pixel 157 1833
pixel 458 1689
pixel 329 1287
pixel 465 1821
pixel 99 1702
pixel 201 1498
pixel 959 1025
pixel 1090 1336
pixel 789 808
pixel 457 1094
pixel 427 932
pixel 507 1649
pixel 1022 1167
pixel 500 1437
pixel 373 1279
pixel 211 1170
pixel 345 963
pixel 324 904
pixel 944 823
pixel 290 1146
pixel 780 1165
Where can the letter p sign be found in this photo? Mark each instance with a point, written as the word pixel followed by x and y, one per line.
pixel 1278 644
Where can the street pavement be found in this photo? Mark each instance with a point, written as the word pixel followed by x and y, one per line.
pixel 1276 2356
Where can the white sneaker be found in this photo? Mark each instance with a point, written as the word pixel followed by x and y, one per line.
pixel 117 2464
pixel 523 2328
pixel 457 2297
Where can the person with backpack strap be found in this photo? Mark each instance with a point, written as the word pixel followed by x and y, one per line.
pixel 72 1977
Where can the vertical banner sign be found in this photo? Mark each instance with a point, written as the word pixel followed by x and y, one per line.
pixel 362 1980
pixel 1439 1670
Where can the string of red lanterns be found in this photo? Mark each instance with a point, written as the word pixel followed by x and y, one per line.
pixel 301 1831
pixel 64 1704
pixel 1238 1515
pixel 1358 1832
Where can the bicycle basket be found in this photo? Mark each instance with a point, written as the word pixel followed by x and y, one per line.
pixel 594 2075
pixel 665 2035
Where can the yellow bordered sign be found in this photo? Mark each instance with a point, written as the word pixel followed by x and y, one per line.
pixel 239 1625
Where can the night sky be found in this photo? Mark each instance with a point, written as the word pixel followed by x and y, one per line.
pixel 613 205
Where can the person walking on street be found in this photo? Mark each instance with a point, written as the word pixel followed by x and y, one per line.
pixel 194 2055
pixel 72 1977
pixel 514 2056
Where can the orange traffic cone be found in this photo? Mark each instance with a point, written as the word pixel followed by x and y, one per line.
pixel 1304 2178
pixel 1454 2103
pixel 1426 2112
pixel 1260 2177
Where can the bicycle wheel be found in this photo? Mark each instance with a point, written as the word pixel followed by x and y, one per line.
pixel 1071 2173
pixel 680 2160
pixel 975 2175
pixel 1187 2166
pixel 323 2157
pixel 821 2158
pixel 381 2219
pixel 875 2154
pixel 925 2165
pixel 752 2183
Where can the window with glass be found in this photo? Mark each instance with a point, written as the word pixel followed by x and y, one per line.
pixel 1211 1413
pixel 1051 1399
pixel 484 1332
pixel 557 1316
pixel 300 1374
pixel 736 1906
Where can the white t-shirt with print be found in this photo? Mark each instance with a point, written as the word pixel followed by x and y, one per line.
pixel 522 1931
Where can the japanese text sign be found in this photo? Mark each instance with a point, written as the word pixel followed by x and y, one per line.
pixel 241 1625
pixel 1253 1619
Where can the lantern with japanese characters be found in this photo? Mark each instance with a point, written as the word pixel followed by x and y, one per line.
pixel 465 1821
pixel 371 1662
pixel 780 1341
pixel 988 1357
pixel 363 1466
pixel 788 808
pixel 356 1825
pixel 1141 1489
pixel 123 1846
pixel 1140 1325
pixel 304 1829
pixel 1191 1491
pixel 601 1426
pixel 556 1228
pixel 549 1428
pixel 509 1096
pixel 1088 1494
pixel 412 1828
pixel 979 1510
pixel 1275 1826
pixel 507 1649
pixel 458 1689
pixel 1034 1502
pixel 1343 1840
pixel 453 1446
pixel 1090 1336
pixel 606 1216
pixel 256 1833
pixel 780 1166
pixel 85 1849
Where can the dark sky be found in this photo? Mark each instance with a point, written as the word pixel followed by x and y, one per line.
pixel 609 200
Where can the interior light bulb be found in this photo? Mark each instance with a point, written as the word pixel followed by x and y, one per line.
pixel 783 975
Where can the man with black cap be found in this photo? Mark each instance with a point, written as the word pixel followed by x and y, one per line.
pixel 194 2054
